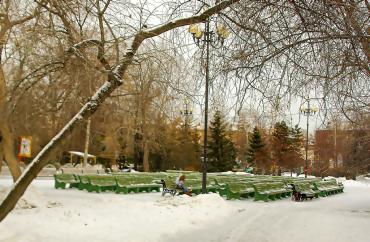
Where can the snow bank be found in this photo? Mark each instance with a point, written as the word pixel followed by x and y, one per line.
pixel 289 174
pixel 106 216
pixel 308 176
pixel 31 199
pixel 236 173
pixel 227 172
pixel 73 215
pixel 352 183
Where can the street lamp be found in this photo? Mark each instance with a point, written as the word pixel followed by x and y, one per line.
pixel 206 38
pixel 187 112
pixel 307 111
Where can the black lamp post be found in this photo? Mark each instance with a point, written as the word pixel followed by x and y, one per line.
pixel 206 38
pixel 309 111
pixel 187 112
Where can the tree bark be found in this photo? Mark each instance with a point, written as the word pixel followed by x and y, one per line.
pixel 87 141
pixel 6 142
pixel 144 129
pixel 146 167
pixel 113 82
pixel 8 150
pixel 1 154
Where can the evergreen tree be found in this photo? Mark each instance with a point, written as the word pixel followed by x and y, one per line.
pixel 287 145
pixel 255 145
pixel 222 152
pixel 281 143
pixel 257 154
pixel 296 145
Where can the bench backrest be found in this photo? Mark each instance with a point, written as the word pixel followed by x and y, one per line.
pixel 65 177
pixel 302 186
pixel 324 184
pixel 277 185
pixel 261 187
pixel 83 178
pixel 238 186
pixel 124 181
pixel 107 180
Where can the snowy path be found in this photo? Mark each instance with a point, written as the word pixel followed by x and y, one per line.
pixel 344 217
pixel 72 215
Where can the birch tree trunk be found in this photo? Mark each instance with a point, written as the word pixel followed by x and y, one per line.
pixel 87 141
pixel 114 80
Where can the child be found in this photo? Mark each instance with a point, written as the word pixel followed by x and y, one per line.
pixel 180 184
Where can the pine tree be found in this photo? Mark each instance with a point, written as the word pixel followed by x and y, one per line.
pixel 255 145
pixel 257 154
pixel 222 152
pixel 287 144
pixel 296 145
pixel 281 143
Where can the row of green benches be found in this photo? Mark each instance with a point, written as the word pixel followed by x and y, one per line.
pixel 194 185
pixel 271 190
pixel 230 187
pixel 260 191
pixel 122 183
pixel 101 183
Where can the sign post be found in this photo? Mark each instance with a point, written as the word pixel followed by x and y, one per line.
pixel 25 147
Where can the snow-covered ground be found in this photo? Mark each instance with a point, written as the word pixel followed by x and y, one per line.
pixel 46 214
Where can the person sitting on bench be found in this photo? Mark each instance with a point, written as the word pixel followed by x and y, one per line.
pixel 180 184
pixel 296 195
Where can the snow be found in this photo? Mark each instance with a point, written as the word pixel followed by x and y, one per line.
pixel 47 214
pixel 242 173
pixel 352 183
pixel 308 176
pixel 79 153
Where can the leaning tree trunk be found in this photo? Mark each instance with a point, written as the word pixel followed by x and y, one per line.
pixel 39 161
pixel 113 82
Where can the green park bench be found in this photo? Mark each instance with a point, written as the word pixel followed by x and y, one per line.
pixel 136 184
pixel 335 183
pixel 84 182
pixel 306 190
pixel 326 188
pixel 170 187
pixel 270 191
pixel 101 183
pixel 195 186
pixel 236 190
pixel 61 181
pixel 220 182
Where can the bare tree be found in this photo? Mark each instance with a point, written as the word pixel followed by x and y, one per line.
pixel 11 15
pixel 115 78
pixel 285 49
